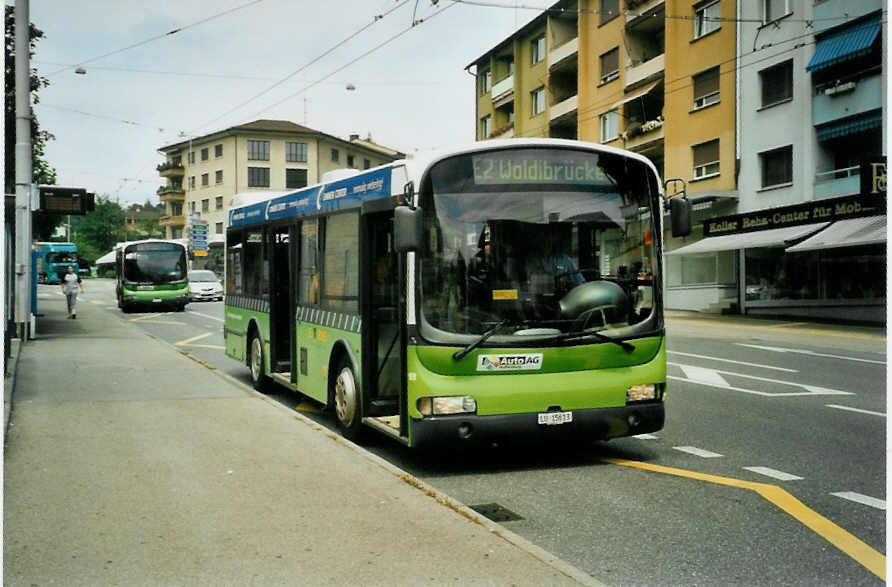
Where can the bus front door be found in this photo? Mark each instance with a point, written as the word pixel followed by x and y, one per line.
pixel 383 365
pixel 281 317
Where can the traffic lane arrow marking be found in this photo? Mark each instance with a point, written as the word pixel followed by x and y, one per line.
pixel 760 366
pixel 713 378
pixel 807 352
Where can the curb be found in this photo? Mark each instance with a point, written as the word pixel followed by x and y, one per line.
pixel 443 499
pixel 9 379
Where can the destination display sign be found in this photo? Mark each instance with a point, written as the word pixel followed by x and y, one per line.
pixel 525 166
pixel 818 211
pixel 344 193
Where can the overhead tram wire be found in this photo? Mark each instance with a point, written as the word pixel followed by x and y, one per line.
pixel 559 11
pixel 161 36
pixel 355 59
pixel 325 53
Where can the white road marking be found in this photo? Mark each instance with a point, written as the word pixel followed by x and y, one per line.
pixel 703 375
pixel 812 353
pixel 773 473
pixel 646 437
pixel 206 316
pixel 848 409
pixel 733 361
pixel 699 452
pixel 873 502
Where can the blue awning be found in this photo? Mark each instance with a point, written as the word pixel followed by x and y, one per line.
pixel 850 126
pixel 849 43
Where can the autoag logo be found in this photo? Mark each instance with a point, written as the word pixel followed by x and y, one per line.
pixel 526 362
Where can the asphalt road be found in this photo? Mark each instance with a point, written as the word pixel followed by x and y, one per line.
pixel 770 469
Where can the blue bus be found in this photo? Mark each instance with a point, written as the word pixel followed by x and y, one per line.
pixel 53 260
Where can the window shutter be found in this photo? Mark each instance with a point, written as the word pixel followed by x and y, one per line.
pixel 706 153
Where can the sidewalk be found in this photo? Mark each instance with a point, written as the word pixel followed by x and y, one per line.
pixel 127 463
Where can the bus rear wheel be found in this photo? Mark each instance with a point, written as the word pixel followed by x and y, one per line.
pixel 347 402
pixel 255 361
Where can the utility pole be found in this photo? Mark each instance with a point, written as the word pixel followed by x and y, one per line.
pixel 23 169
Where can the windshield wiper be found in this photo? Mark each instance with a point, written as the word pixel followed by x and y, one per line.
pixel 459 355
pixel 591 333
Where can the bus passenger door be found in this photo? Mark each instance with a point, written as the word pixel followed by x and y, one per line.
pixel 281 307
pixel 381 336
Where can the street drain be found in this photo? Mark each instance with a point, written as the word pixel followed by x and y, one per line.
pixel 495 512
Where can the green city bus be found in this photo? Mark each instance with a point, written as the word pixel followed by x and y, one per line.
pixel 510 290
pixel 151 273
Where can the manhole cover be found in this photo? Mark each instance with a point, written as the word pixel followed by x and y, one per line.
pixel 495 512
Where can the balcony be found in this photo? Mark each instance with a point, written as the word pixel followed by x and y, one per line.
pixel 637 74
pixel 503 91
pixel 168 220
pixel 646 137
pixel 564 109
pixel 837 182
pixel 172 196
pixel 642 9
pixel 171 189
pixel 506 131
pixel 171 169
pixel 562 53
pixel 848 99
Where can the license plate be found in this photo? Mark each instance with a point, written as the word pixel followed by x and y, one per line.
pixel 555 418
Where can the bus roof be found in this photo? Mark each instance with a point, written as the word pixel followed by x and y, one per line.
pixel 176 241
pixel 337 191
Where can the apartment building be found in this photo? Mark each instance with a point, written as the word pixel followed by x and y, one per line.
pixel 204 173
pixel 759 106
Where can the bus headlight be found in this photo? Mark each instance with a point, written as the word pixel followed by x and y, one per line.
pixel 644 392
pixel 442 406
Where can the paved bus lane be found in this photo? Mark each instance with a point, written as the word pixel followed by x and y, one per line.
pixel 628 525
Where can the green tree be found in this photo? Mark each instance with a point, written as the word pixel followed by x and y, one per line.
pixel 44 224
pixel 97 233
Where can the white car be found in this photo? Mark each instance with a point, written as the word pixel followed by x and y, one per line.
pixel 204 285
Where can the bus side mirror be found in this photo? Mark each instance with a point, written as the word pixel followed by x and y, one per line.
pixel 680 214
pixel 407 228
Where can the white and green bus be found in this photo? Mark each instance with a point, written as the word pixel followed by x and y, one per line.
pixel 151 273
pixel 507 290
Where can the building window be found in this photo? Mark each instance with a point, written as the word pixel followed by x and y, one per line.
pixel 537 49
pixel 204 154
pixel 218 203
pixel 350 160
pixel 192 207
pixel 609 10
pixel 610 65
pixel 609 126
pixel 706 88
pixel 775 9
pixel 204 180
pixel 218 176
pixel 191 182
pixel 176 232
pixel 205 205
pixel 218 228
pixel 335 155
pixel 218 150
pixel 366 164
pixel 777 166
pixel 777 83
pixel 258 177
pixel 485 82
pixel 707 17
pixel 706 159
pixel 191 157
pixel 296 152
pixel 485 126
pixel 295 178
pixel 537 102
pixel 258 150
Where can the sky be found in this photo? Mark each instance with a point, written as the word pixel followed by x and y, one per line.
pixel 412 94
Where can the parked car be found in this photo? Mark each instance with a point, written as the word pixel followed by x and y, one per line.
pixel 204 285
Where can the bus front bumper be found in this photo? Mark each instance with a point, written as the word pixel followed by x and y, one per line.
pixel 589 424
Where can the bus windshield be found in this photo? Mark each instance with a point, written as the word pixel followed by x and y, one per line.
pixel 154 263
pixel 541 242
pixel 61 257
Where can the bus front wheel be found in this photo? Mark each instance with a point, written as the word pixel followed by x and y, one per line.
pixel 258 379
pixel 346 402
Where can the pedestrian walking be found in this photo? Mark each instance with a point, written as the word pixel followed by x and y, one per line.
pixel 70 285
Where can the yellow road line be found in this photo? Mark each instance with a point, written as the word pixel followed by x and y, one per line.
pixel 193 339
pixel 870 559
pixel 206 346
pixel 308 407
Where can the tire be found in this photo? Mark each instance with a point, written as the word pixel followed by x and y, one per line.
pixel 347 402
pixel 256 364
